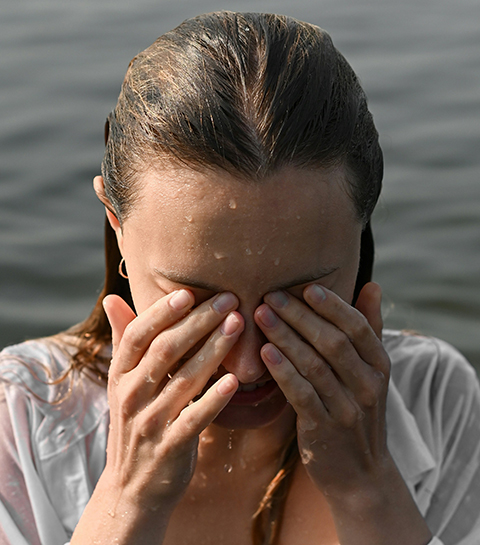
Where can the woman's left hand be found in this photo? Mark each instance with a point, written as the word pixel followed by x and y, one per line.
pixel 329 361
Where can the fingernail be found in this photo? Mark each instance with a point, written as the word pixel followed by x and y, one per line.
pixel 268 317
pixel 272 354
pixel 230 325
pixel 224 302
pixel 278 299
pixel 226 385
pixel 180 300
pixel 316 293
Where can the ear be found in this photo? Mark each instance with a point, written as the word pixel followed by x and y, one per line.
pixel 112 218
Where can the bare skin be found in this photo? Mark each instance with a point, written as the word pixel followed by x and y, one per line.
pixel 284 256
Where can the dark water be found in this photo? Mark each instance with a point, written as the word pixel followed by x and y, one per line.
pixel 61 65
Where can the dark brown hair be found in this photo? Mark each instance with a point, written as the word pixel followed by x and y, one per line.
pixel 248 93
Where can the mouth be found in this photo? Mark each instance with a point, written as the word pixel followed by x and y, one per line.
pixel 253 394
pixel 251 387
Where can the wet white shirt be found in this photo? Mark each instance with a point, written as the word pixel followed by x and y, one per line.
pixel 52 454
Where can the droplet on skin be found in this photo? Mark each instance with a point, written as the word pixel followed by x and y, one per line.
pixel 298 217
pixel 277 261
pixel 230 439
pixel 149 378
pixel 219 255
pixel 189 219
pixel 248 251
pixel 228 468
pixel 260 252
pixel 232 204
pixel 201 357
pixel 306 455
pixel 111 512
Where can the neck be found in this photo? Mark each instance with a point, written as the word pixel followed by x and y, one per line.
pixel 221 448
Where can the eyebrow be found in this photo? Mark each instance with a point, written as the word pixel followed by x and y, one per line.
pixel 190 283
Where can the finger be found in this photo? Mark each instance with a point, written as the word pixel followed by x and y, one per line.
pixel 191 379
pixel 350 375
pixel 171 345
pixel 306 359
pixel 351 322
pixel 139 333
pixel 301 394
pixel 369 304
pixel 200 414
pixel 328 342
pixel 119 314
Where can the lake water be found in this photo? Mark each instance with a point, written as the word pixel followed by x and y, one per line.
pixel 61 65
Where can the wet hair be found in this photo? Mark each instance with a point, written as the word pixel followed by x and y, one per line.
pixel 248 93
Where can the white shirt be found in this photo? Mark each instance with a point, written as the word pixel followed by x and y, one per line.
pixel 52 454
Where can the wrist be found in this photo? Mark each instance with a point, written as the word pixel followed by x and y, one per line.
pixel 114 515
pixel 381 511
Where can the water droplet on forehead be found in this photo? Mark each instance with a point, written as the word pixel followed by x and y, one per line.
pixel 189 219
pixel 248 251
pixel 232 204
pixel 228 468
pixel 220 255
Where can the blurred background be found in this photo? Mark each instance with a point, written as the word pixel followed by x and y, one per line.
pixel 61 66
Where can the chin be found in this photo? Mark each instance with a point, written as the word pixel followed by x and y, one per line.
pixel 240 414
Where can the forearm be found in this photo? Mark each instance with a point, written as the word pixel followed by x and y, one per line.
pixel 112 518
pixel 383 515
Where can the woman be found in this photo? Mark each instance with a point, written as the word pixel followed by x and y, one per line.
pixel 238 339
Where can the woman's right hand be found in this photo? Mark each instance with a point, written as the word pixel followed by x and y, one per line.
pixel 154 422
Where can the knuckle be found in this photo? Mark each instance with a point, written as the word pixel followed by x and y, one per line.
pixel 163 349
pixel 182 382
pixel 301 314
pixel 369 397
pixel 314 366
pixel 350 417
pixel 303 395
pixel 362 328
pixel 130 401
pixel 383 367
pixel 339 342
pixel 132 336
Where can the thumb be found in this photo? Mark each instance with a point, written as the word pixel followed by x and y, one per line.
pixel 369 304
pixel 119 315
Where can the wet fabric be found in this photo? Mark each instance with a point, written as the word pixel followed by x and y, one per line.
pixel 53 439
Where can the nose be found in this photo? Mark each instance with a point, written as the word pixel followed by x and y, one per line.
pixel 244 359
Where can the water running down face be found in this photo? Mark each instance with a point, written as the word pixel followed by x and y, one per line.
pixel 211 232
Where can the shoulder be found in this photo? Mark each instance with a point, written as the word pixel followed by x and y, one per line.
pixel 37 366
pixel 424 365
pixel 441 391
pixel 60 404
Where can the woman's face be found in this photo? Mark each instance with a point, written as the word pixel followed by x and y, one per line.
pixel 210 232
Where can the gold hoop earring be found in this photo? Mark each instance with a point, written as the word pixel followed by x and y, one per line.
pixel 121 267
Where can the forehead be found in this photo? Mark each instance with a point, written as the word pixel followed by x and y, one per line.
pixel 193 223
